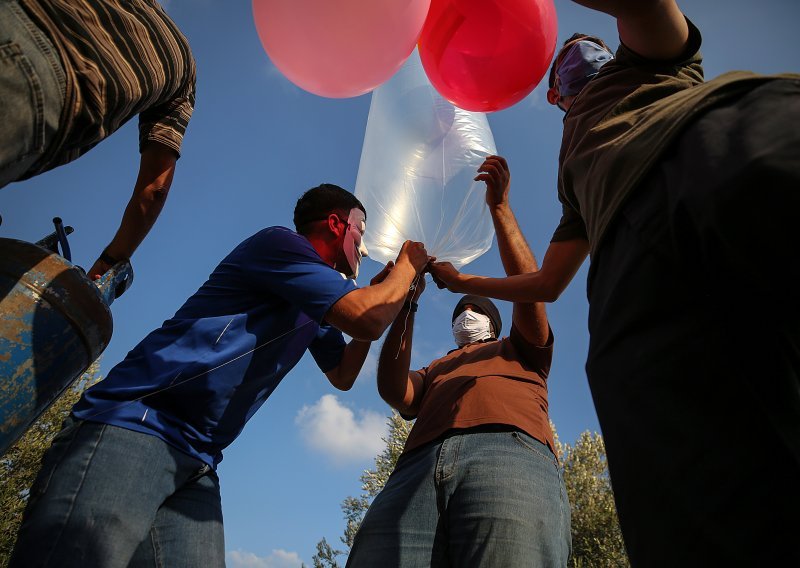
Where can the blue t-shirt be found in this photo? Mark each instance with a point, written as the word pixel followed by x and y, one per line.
pixel 195 381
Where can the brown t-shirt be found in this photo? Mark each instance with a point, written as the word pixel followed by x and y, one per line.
pixel 496 382
pixel 620 124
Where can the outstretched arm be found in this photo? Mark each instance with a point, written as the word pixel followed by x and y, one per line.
pixel 530 319
pixel 561 261
pixel 156 168
pixel 655 29
pixel 355 353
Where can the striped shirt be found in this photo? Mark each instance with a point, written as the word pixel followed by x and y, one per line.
pixel 121 58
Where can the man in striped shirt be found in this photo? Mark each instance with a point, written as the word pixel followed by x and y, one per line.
pixel 72 72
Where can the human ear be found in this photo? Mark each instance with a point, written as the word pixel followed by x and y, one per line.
pixel 552 96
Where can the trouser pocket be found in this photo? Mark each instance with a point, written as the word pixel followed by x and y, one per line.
pixel 21 107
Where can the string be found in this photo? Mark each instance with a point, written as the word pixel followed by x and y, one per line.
pixel 184 381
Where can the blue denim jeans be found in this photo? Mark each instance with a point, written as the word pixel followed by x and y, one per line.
pixel 110 497
pixel 474 499
pixel 32 87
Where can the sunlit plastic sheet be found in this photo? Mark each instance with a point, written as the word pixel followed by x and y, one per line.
pixel 415 178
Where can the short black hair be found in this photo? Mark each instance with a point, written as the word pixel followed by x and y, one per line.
pixel 551 80
pixel 319 202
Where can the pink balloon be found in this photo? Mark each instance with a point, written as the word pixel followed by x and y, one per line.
pixel 339 48
pixel 486 55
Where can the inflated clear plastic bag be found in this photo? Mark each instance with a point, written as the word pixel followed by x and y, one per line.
pixel 415 178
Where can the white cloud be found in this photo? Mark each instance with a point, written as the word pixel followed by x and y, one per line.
pixel 278 559
pixel 334 430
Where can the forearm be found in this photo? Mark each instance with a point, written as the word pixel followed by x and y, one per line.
pixel 527 288
pixel 367 312
pixel 394 363
pixel 561 262
pixel 655 29
pixel 355 353
pixel 140 215
pixel 515 252
pixel 156 170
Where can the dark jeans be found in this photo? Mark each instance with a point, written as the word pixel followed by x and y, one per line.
pixel 694 358
pixel 110 497
pixel 32 85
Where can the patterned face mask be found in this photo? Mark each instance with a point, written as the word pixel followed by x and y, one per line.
pixel 354 247
pixel 469 327
pixel 579 64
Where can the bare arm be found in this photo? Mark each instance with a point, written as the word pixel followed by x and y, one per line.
pixel 344 375
pixel 655 29
pixel 530 319
pixel 561 261
pixel 367 312
pixel 400 388
pixel 355 353
pixel 156 168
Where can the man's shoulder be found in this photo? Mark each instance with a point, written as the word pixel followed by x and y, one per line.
pixel 277 239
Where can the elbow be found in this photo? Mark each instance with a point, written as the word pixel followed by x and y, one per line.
pixel 156 194
pixel 342 382
pixel 345 385
pixel 551 290
pixel 370 328
pixel 551 296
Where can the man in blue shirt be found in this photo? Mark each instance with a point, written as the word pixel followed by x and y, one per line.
pixel 131 479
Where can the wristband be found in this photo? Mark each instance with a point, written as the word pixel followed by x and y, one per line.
pixel 107 258
pixel 410 306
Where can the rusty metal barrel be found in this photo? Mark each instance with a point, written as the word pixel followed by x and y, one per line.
pixel 54 322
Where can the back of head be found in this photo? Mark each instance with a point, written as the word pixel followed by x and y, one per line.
pixel 485 305
pixel 319 202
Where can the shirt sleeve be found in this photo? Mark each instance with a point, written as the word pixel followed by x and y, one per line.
pixel 423 373
pixel 166 123
pixel 571 226
pixel 285 264
pixel 328 348
pixel 537 357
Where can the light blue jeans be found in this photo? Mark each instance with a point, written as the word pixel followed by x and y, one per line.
pixel 32 87
pixel 110 497
pixel 493 499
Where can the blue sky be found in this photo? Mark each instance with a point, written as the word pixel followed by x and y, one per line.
pixel 254 144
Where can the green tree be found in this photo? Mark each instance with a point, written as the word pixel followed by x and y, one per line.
pixel 596 536
pixel 21 463
pixel 372 481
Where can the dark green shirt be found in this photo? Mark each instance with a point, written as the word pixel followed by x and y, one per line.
pixel 622 122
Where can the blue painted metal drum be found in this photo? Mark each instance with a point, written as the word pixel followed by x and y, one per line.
pixel 54 322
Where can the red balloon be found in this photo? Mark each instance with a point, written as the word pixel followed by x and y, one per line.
pixel 486 55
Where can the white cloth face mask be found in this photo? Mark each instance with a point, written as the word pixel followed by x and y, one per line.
pixel 469 327
pixel 354 247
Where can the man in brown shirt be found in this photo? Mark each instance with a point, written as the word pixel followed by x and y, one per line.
pixel 686 193
pixel 478 483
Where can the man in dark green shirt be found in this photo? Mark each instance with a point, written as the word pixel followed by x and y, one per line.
pixel 685 192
